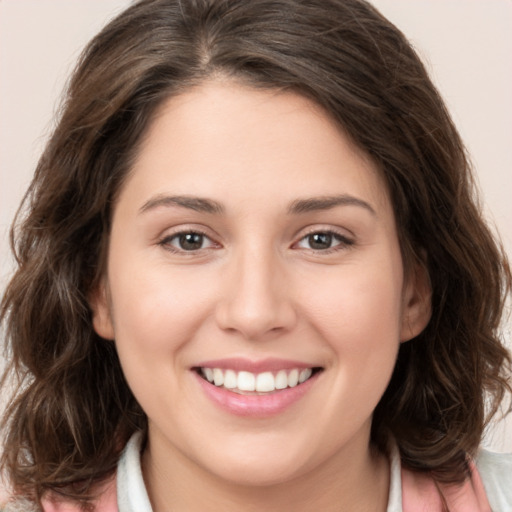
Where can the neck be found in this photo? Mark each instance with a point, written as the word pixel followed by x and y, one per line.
pixel 353 480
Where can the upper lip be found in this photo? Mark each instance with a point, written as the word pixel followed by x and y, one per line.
pixel 259 366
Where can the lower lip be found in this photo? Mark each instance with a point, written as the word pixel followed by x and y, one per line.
pixel 259 406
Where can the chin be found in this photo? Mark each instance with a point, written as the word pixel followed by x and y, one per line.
pixel 261 467
pixel 262 473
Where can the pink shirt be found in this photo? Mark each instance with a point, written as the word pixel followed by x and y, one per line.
pixel 409 491
pixel 419 494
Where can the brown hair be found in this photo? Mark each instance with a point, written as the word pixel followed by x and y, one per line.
pixel 72 411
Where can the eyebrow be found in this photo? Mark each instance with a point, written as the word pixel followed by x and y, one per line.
pixel 299 206
pixel 314 204
pixel 197 204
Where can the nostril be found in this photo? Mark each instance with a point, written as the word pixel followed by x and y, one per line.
pixel 255 319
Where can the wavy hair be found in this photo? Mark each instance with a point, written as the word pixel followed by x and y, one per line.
pixel 71 411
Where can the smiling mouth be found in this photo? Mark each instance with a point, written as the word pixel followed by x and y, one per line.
pixel 248 383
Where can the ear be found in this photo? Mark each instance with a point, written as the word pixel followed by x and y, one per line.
pixel 101 314
pixel 417 302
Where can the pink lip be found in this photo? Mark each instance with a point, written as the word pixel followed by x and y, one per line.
pixel 256 406
pixel 265 365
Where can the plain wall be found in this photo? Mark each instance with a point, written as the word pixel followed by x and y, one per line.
pixel 466 44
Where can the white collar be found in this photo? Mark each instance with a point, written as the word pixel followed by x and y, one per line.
pixel 131 491
pixel 133 497
pixel 395 480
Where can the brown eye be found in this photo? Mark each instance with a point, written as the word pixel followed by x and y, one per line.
pixel 319 241
pixel 323 241
pixel 187 241
pixel 190 241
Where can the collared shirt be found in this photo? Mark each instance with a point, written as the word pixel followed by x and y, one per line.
pixel 132 495
pixel 488 490
pixel 495 470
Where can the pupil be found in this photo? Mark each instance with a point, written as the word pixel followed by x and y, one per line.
pixel 191 241
pixel 320 240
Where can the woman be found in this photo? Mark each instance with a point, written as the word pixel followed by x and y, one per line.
pixel 253 275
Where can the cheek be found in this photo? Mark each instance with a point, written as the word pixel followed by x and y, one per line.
pixel 156 313
pixel 359 318
pixel 357 310
pixel 157 310
pixel 357 314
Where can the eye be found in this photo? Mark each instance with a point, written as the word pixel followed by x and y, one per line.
pixel 323 241
pixel 187 241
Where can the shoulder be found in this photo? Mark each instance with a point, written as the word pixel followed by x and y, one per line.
pixel 496 472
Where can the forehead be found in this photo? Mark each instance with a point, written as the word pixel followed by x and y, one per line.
pixel 227 140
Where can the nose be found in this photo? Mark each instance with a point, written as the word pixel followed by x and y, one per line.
pixel 255 298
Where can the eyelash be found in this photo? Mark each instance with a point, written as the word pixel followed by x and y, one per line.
pixel 343 241
pixel 166 241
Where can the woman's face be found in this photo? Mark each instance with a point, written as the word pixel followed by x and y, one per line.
pixel 255 245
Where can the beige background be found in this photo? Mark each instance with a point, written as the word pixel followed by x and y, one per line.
pixel 466 44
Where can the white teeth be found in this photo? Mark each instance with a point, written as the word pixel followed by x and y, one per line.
pixel 293 378
pixel 265 382
pixel 218 377
pixel 304 375
pixel 230 380
pixel 246 381
pixel 281 380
